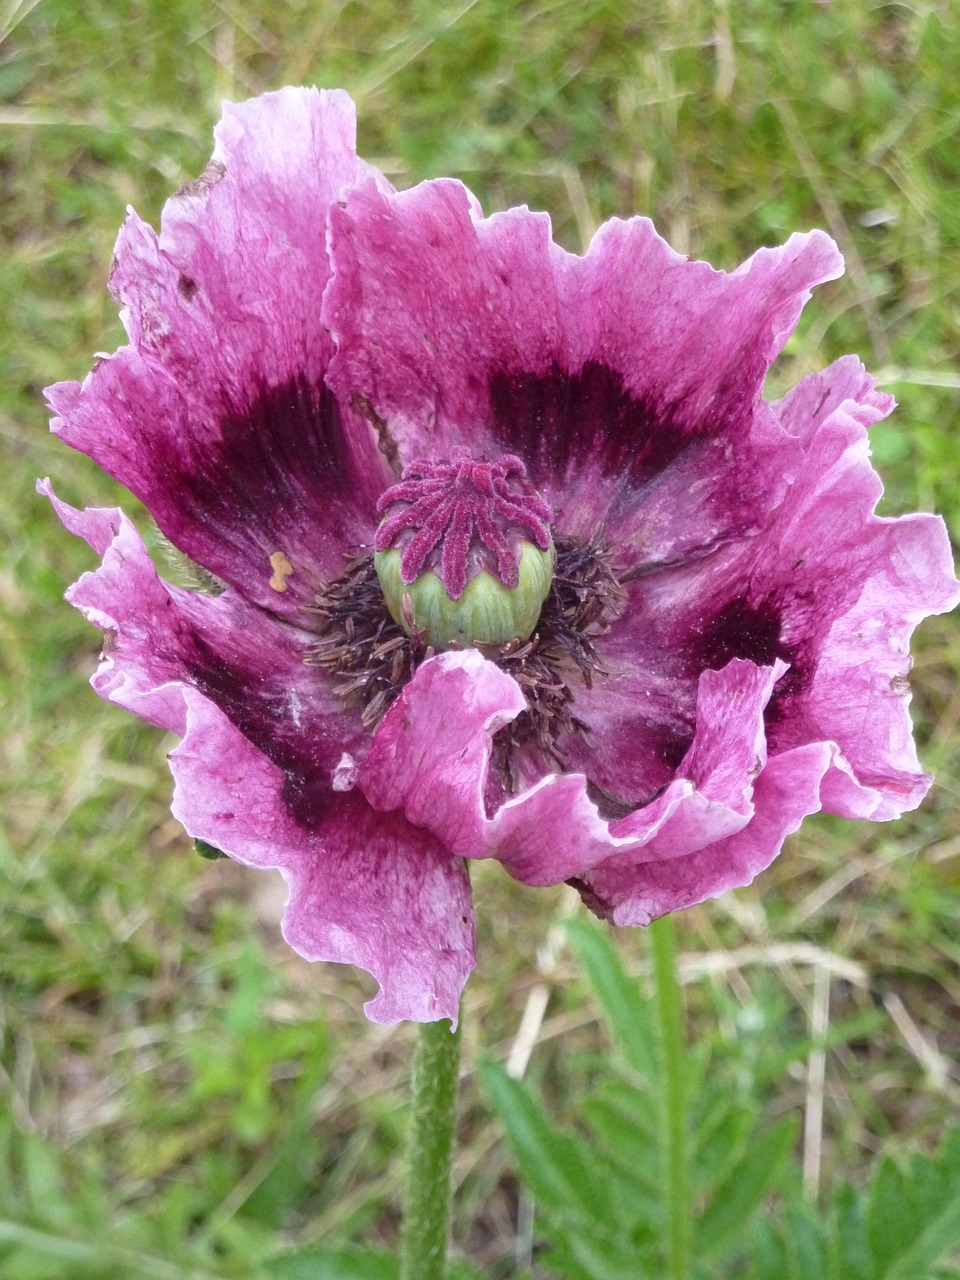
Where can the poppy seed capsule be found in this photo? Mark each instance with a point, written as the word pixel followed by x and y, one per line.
pixel 464 553
pixel 487 612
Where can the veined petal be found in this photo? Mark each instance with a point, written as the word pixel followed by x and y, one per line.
pixel 431 755
pixel 628 892
pixel 724 647
pixel 249 664
pixel 628 379
pixel 216 415
pixel 827 587
pixel 257 774
pixel 365 888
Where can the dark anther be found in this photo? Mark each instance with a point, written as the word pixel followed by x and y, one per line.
pixel 371 658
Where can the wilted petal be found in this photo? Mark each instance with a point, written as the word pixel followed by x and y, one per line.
pixel 216 415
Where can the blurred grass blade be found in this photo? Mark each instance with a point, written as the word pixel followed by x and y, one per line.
pixel 100 1254
pixel 318 1263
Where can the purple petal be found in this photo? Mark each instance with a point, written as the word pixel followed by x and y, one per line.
pixel 431 755
pixel 365 888
pixel 245 661
pixel 628 380
pixel 857 584
pixel 260 774
pixel 827 587
pixel 216 415
pixel 786 791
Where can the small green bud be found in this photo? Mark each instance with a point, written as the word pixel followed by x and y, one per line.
pixel 208 851
pixel 487 612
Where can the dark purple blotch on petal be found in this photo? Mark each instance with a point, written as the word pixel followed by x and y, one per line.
pixel 560 422
pixel 260 707
pixel 286 453
pixel 742 629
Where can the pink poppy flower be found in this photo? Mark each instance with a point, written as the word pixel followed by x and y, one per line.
pixel 321 369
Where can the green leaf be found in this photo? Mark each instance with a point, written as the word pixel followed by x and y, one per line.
pixel 736 1198
pixel 209 851
pixel 350 1262
pixel 849 1252
pixel 559 1170
pixel 937 1238
pixel 769 1253
pixel 98 1255
pixel 912 1218
pixel 620 997
pixel 890 1220
pixel 806 1249
pixel 717 1154
pixel 632 1150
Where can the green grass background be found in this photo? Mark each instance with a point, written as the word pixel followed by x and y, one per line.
pixel 170 1076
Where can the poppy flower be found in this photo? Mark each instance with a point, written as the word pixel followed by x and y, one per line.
pixel 506 556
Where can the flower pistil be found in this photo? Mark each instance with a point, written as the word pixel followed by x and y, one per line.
pixel 464 552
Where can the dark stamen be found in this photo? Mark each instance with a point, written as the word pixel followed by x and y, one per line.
pixel 372 658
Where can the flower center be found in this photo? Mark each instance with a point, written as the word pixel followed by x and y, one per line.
pixel 464 552
pixel 461 518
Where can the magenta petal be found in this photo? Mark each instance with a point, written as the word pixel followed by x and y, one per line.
pixel 827 587
pixel 854 587
pixel 430 758
pixel 216 415
pixel 159 637
pixel 786 791
pixel 628 380
pixel 365 888
pixel 726 646
pixel 431 755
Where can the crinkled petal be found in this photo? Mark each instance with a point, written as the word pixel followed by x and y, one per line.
pixel 630 892
pixel 259 775
pixel 216 415
pixel 365 888
pixel 854 586
pixel 248 663
pixel 629 379
pixel 827 587
pixel 431 754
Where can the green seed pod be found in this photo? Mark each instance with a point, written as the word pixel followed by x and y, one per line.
pixel 487 612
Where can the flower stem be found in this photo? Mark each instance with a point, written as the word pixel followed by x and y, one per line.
pixel 670 1013
pixel 423 1244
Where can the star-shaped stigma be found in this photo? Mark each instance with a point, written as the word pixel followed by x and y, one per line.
pixel 461 517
